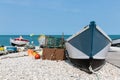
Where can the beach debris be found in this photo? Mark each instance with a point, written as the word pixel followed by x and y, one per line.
pixel 53 54
pixel 39 51
pixel 37 56
pixel 54 42
pixel 50 41
pixel 30 46
pixel 33 53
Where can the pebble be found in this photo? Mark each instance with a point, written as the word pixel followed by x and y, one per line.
pixel 19 67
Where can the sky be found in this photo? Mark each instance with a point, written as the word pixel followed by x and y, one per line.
pixel 55 17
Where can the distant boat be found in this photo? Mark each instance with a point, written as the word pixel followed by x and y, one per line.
pixel 116 42
pixel 88 48
pixel 19 41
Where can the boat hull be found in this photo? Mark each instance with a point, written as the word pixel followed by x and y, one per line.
pixel 18 43
pixel 88 48
pixel 116 42
pixel 85 64
pixel 13 44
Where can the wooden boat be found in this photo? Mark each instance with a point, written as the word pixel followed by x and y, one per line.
pixel 116 42
pixel 88 48
pixel 19 41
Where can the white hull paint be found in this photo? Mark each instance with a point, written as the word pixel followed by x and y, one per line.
pixel 103 53
pixel 18 42
pixel 117 41
pixel 75 53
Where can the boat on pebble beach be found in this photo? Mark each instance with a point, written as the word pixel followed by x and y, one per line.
pixel 88 48
pixel 19 41
pixel 11 49
pixel 116 42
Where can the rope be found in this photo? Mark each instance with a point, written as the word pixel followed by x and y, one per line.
pixel 90 68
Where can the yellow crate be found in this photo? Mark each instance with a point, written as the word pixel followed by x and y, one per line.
pixel 1 48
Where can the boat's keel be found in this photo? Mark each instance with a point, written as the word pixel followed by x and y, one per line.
pixel 88 65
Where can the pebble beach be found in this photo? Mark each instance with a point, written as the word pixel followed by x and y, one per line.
pixel 20 66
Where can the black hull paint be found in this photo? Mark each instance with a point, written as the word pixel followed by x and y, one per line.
pixel 116 45
pixel 17 45
pixel 84 64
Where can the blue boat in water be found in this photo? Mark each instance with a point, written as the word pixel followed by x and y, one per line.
pixel 88 48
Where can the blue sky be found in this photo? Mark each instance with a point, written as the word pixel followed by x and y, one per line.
pixel 57 16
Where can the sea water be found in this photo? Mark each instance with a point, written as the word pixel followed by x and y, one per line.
pixel 5 39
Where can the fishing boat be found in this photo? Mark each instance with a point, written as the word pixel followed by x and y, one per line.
pixel 19 41
pixel 116 42
pixel 88 48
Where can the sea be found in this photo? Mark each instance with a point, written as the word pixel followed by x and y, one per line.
pixel 5 39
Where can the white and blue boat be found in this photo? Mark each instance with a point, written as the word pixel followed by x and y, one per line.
pixel 88 48
pixel 116 42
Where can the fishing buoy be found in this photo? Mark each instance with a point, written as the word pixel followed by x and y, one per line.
pixel 34 53
pixel 37 56
pixel 30 52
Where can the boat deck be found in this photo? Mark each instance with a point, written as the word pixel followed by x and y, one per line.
pixel 113 56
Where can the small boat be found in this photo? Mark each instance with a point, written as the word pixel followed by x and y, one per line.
pixel 11 49
pixel 88 48
pixel 116 42
pixel 19 41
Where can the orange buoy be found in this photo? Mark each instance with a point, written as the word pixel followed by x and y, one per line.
pixel 37 56
pixel 34 53
pixel 30 51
